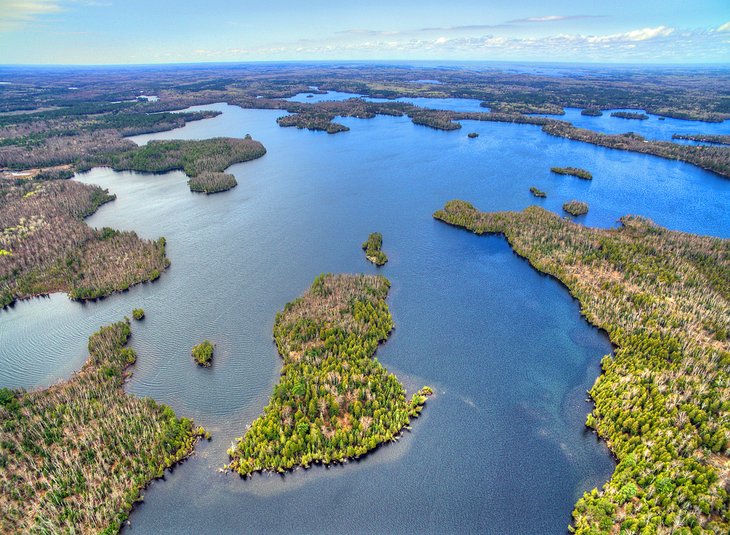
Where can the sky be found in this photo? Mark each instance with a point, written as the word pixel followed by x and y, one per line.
pixel 183 31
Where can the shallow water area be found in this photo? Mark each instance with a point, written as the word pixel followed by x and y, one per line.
pixel 501 447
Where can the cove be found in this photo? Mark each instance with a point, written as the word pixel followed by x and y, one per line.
pixel 501 447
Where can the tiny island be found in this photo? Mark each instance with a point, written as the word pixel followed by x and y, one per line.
pixel 591 112
pixel 334 401
pixel 576 208
pixel 630 115
pixel 538 192
pixel 203 353
pixel 573 171
pixel 372 247
pixel 472 135
pixel 138 314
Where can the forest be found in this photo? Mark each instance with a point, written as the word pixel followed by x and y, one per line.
pixel 662 402
pixel 48 247
pixel 68 135
pixel 76 455
pixel 334 400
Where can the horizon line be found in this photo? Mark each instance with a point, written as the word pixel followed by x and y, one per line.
pixel 371 61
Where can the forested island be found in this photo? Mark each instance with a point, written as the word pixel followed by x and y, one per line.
pixel 373 249
pixel 630 115
pixel 334 400
pixel 203 353
pixel 575 208
pixel 661 402
pixel 537 192
pixel 48 247
pixel 573 171
pixel 75 456
pixel 202 160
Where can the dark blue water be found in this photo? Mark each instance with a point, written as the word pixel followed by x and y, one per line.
pixel 454 104
pixel 651 128
pixel 501 448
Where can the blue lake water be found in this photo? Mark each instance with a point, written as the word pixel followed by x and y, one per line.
pixel 454 104
pixel 501 447
pixel 651 128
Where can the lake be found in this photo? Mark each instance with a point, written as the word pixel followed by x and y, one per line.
pixel 500 448
pixel 651 128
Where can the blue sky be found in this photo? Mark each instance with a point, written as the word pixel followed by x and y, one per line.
pixel 165 31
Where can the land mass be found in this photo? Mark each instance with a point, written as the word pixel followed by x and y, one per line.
pixel 661 402
pixel 76 455
pixel 202 160
pixel 47 247
pixel 705 138
pixel 65 127
pixel 334 401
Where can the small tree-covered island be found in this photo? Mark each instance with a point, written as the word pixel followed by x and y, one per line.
pixel 573 171
pixel 203 353
pixel 74 457
pixel 536 192
pixel 373 249
pixel 334 400
pixel 663 401
pixel 576 208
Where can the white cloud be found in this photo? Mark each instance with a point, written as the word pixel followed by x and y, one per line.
pixel 553 18
pixel 17 13
pixel 644 44
pixel 724 28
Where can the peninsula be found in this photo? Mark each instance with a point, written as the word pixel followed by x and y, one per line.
pixel 661 403
pixel 76 455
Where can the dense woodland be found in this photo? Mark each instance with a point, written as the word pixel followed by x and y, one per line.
pixel 334 400
pixel 662 402
pixel 68 135
pixel 46 246
pixel 75 456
